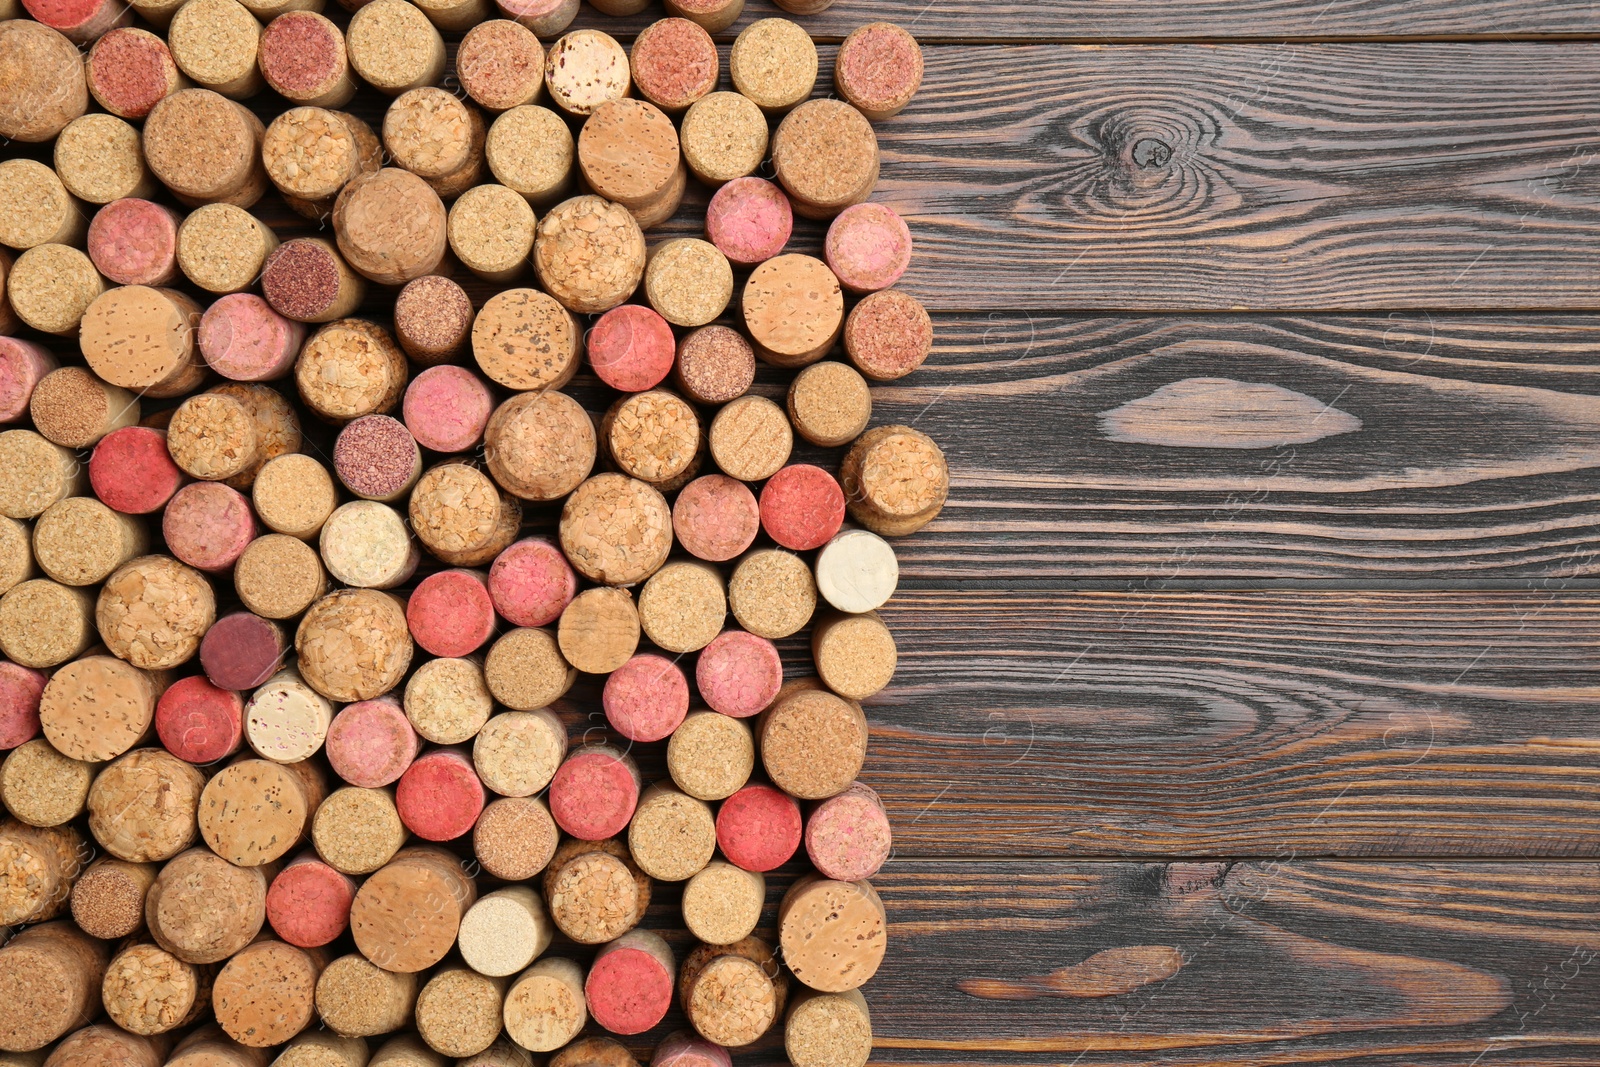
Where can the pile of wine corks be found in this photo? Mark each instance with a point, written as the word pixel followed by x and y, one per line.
pixel 409 559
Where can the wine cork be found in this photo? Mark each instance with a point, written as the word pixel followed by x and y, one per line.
pixel 589 253
pixel 350 368
pixel 208 525
pixel 793 309
pixel 79 541
pixel 303 59
pixel 857 571
pixel 215 42
pixel 222 248
pixel 531 583
pixel 710 15
pixel 142 807
pixel 98 160
pixel 128 71
pixel 371 743
pixel 599 630
pixel 531 151
pixel 584 69
pixel 724 138
pixel 439 797
pixel 683 1048
pixel 772 593
pixel 43 75
pixel 688 281
pixel 750 438
pixel 446 408
pixel 459 1011
pixel 683 605
pixel 41 787
pixel 430 132
pixel 515 837
pixel 773 63
pixel 500 64
pixel 594 1052
pixel 855 654
pixel 294 495
pixel 813 743
pixel 895 480
pixel 733 994
pixel 722 903
pixel 868 247
pixel 829 404
pixel 107 1046
pixel 81 21
pixel 203 909
pixel 715 365
pixel 503 1053
pixel 49 977
pixel 308 905
pixel 749 220
pixel 323 1048
pixel 594 792
pixel 44 623
pixel 710 756
pixel 524 340
pixel 715 517
pixel 646 698
pixel 108 899
pixel 879 69
pixel 672 835
pixel 616 530
pixel 20 690
pixel 406 915
pixel 826 157
pixel 254 811
pixel 357 830
pixel 540 445
pixel 143 338
pixel 450 614
pixel 525 669
pixel 652 436
pixel 310 153
pixel 629 985
pixel 149 991
pixel 286 720
pixel 199 722
pixel 491 232
pixel 353 644
pixel 545 1008
pixel 847 836
pixel 503 932
pixel 394 47
pixel 759 828
pixel 212 437
pixel 517 752
pixel 24 365
pixel 631 348
pixel 205 147
pixel 39 209
pixel 455 509
pixel 433 320
pixel 357 999
pixel 134 242
pixel 390 224
pixel 832 933
pixel 828 1029
pixel 51 287
pixel 242 338
pixel 376 458
pixel 674 63
pixel 802 507
pixel 628 152
pixel 39 864
pixel 595 891
pixel 16 565
pixel 97 708
pixel 278 576
pixel 263 996
pixel 739 674
pixel 132 472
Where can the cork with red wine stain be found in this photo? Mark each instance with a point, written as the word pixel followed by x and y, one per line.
pixel 759 828
pixel 847 836
pixel 739 674
pixel 80 21
pixel 376 458
pixel 243 650
pixel 307 280
pixel 20 689
pixel 129 71
pixel 199 722
pixel 371 743
pixel 646 698
pixel 450 613
pixel 631 348
pixel 531 583
pixel 308 903
pixel 208 525
pixel 749 220
pixel 674 63
pixel 303 57
pixel 716 517
pixel 594 792
pixel 629 986
pixel 22 365
pixel 446 408
pixel 242 338
pixel 440 796
pixel 132 472
pixel 802 507
pixel 868 247
pixel 135 242
pixel 685 1049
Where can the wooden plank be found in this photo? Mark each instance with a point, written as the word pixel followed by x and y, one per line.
pixel 1241 724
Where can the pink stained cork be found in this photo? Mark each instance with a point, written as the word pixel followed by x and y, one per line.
pixel 716 517
pixel 878 69
pixel 371 743
pixel 631 348
pixel 594 793
pixel 303 279
pixel 199 722
pixel 888 335
pixel 20 689
pixel 847 836
pixel 243 339
pixel 739 674
pixel 758 828
pixel 440 796
pixel 646 698
pixel 451 613
pixel 802 507
pixel 684 1049
pixel 674 63
pixel 547 18
pixel 243 650
pixel 308 903
pixel 130 71
pixel 131 471
pixel 749 220
pixel 208 526
pixel 868 247
pixel 531 583
pixel 135 242
pixel 80 21
pixel 302 55
pixel 446 408
pixel 376 458
pixel 629 986
pixel 22 364
pixel 500 64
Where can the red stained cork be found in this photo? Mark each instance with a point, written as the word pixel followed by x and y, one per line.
pixel 132 472
pixel 199 722
pixel 208 526
pixel 440 796
pixel 531 583
pixel 739 674
pixel 302 55
pixel 716 517
pixel 130 71
pixel 501 64
pixel 371 743
pixel 749 220
pixel 674 63
pixel 758 828
pixel 594 793
pixel 646 698
pixel 879 69
pixel 715 365
pixel 684 1049
pixel 22 364
pixel 847 836
pixel 377 458
pixel 888 335
pixel 242 650
pixel 80 21
pixel 802 507
pixel 631 348
pixel 242 338
pixel 135 242
pixel 308 904
pixel 20 689
pixel 451 613
pixel 868 247
pixel 446 408
pixel 302 280
pixel 629 987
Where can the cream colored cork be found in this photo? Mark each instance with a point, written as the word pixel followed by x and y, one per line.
pixel 491 232
pixel 855 654
pixel 545 1006
pixel 772 593
pixel 515 837
pixel 732 993
pixel 710 756
pixel 350 368
pixel 294 495
pixel 688 281
pixel 722 903
pixel 832 933
pixel 354 645
pixel 309 152
pixel 459 1010
pixel 793 309
pixel 16 554
pixel 652 436
pixel 51 286
pixel 287 721
pixel 215 43
pixel 589 254
pixel 35 207
pixel 153 611
pixel 43 75
pixel 455 508
pixel 517 753
pixel 774 63
pixel 35 474
pixel 221 248
pixel 595 892
pixel 683 606
pixel 826 156
pixel 673 835
pixel 357 830
pixel 750 438
pixel 394 47
pixel 504 931
pixel 205 147
pixel 895 480
pixel 141 338
pixel 813 743
pixel 39 865
pixel 264 995
pixel 255 811
pixel 857 571
pixel 724 136
pixel 41 787
pixel 501 64
pixel 73 408
pixel 357 999
pixel 430 132
pixel 279 576
pixel 586 68
pixel 323 1048
pixel 142 807
pixel 203 909
pixel 828 1029
pixel 447 700
pixel 531 151
pixel 524 340
pixel 368 545
pixel 628 152
pixel 98 159
pixel 44 623
pixel 829 404
pixel 599 630
pixel 540 445
pixel 212 437
pixel 391 226
pixel 108 899
pixel 49 977
pixel 525 670
pixel 406 915
pixel 616 530
pixel 96 708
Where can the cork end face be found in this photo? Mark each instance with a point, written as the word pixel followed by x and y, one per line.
pixel 531 583
pixel 593 795
pixel 301 280
pixel 879 69
pixel 802 507
pixel 646 698
pixel 759 828
pixel 739 674
pixel 868 247
pixel 440 796
pixel 674 63
pixel 889 334
pixel 308 903
pixel 500 64
pixel 302 54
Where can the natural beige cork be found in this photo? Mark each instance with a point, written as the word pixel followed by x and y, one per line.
pixel 309 152
pixel 506 530
pixel 895 480
pixel 279 576
pixel 323 1048
pixel 751 439
pixel 351 368
pixel 828 1029
pixel 672 835
pixel 524 340
pixel 294 495
pixel 35 207
pixel 44 623
pixel 357 999
pixel 212 437
pixel 589 254
pixel 826 156
pixel 628 152
pixel 772 593
pixel 147 990
pixel 264 995
pixel 43 75
pixel 616 530
pixel 586 68
pixel 430 132
pixel 502 933
pixel 652 436
pixel 595 892
pixel 829 404
pixel 35 474
pixel 73 408
pixel 515 837
pixel 357 830
pixel 255 811
pixel 724 137
pixel 394 47
pixel 215 43
pixel 459 1010
pixel 153 611
pixel 710 756
pixel 16 554
pixel 49 975
pixel 540 445
pixel 732 993
pixel 205 147
pixel 525 670
pixel 683 606
pixel 688 281
pixel 531 151
pixel 855 654
pixel 51 286
pixel 517 753
pixel 96 708
pixel 368 545
pixel 793 309
pixel 203 909
pixel 142 808
pixel 448 701
pixel 813 743
pixel 406 915
pixel 39 863
pixel 99 160
pixel 354 645
pixel 545 1005
pixel 221 248
pixel 491 232
pixel 108 899
pixel 455 508
pixel 391 225
pixel 722 903
pixel 143 339
pixel 774 63
pixel 41 787
pixel 833 933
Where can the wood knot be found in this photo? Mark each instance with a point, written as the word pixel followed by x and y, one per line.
pixel 1151 152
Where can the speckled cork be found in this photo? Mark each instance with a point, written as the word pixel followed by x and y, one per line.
pixel 255 811
pixel 802 507
pixel 294 495
pixel 545 1007
pixel 813 742
pixel 350 368
pixel 108 898
pixel 749 220
pixel 303 58
pixel 357 830
pixel 376 458
pixel 40 865
pixel 888 335
pixel 222 248
pixel 515 837
pixel 734 993
pixel 826 157
pixel 142 806
pixel 44 623
pixel 895 479
pixel 674 63
pixel 406 916
pixel 710 756
pixel 685 1049
pixel 503 932
pixel 868 247
pixel 491 232
pixel 523 339
pixel 459 1010
pixel 323 1048
pixel 393 46
pixel 207 525
pixel 833 933
pixel 153 611
pixel 616 530
pixel 128 71
pixel 206 148
pixel 203 909
pixel 391 225
pixel 829 404
pixel 739 674
pixel 135 242
pixel 855 654
pixel 264 995
pixel 530 150
pixel 595 891
pixel 147 990
pixel 793 308
pixel 688 281
pixel 774 63
pixel 198 722
pixel 531 583
pixel 132 472
pixel 43 75
pixel 525 669
pixel 589 253
pixel 38 208
pixel 584 69
pixel 500 64
pixel 242 338
pixel 878 69
pixel 357 999
pixel 439 797
pixel 772 593
pixel 628 153
pixel 828 1029
pixel 750 438
pixel 710 15
pixel 79 541
pixel 516 753
pixel 48 978
pixel 714 365
pixel 143 338
pixel 285 720
pixel 724 137
pixel 98 159
pixel 646 698
pixel 683 605
pixel 215 42
pixel 51 286
pixel 41 787
pixel 353 644
pixel 672 835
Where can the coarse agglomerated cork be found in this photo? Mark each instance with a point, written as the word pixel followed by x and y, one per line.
pixel 515 838
pixel 710 756
pixel 616 530
pixel 652 436
pixel 584 69
pixel 204 909
pixel 16 563
pixel 135 242
pixel 303 58
pixel 540 445
pixel 391 225
pixel 98 159
pixel 143 338
pixel 430 132
pixel 589 254
pixel 447 700
pixel 530 150
pixel 357 999
pixel 673 835
pixel 750 438
pixel 40 865
pixel 594 890
pixel 51 286
pixel 264 995
pixel 309 152
pixel 599 630
pixel 358 830
pixel 833 933
pixel 142 807
pixel 255 811
pixel 524 340
pixel 722 903
pixel 723 136
pixel 629 986
pixel 828 1029
pixel 826 157
pixel 353 644
pixel 129 71
pixel 772 593
pixel 41 787
pixel 525 670
pixel 108 898
pixel 212 437
pixel 222 248
pixel 689 281
pixel 674 63
pixel 516 753
pixel 855 654
pixel 79 541
pixel 502 933
pixel 733 993
pixel 323 1048
pixel 49 977
pixel 393 46
pixel 459 1010
pixel 813 743
pixel 739 674
pixel 628 152
pixel 44 623
pixel 793 308
pixel 888 335
pixel 491 232
pixel 509 525
pixel 41 74
pixel 406 915
pixel 215 42
pixel 294 495
pixel 829 404
pixel 97 708
pixel 895 479
pixel 545 1008
pixel 878 69
pixel 432 320
pixel 277 426
pixel 774 63
pixel 350 368
pixel 38 209
pixel 683 605
pixel 455 509
pixel 501 65
pixel 857 571
pixel 206 148
pixel 153 611
pixel 147 990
